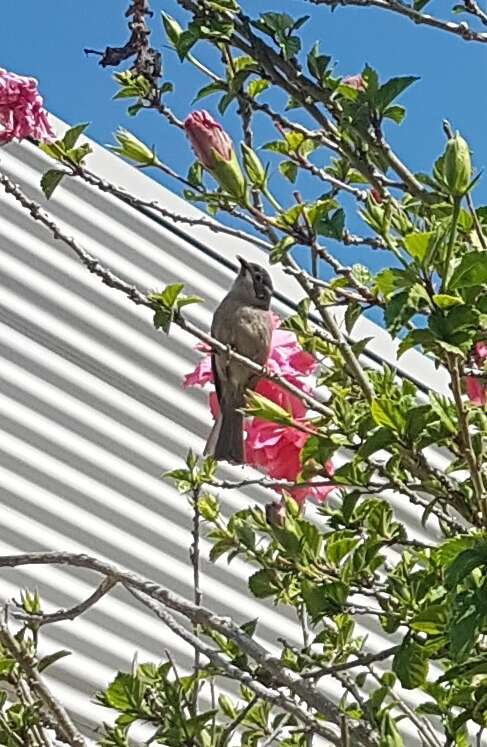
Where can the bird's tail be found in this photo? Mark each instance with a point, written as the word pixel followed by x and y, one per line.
pixel 225 442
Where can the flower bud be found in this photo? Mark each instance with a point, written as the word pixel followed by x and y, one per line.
pixel 134 149
pixel 457 166
pixel 213 149
pixel 354 81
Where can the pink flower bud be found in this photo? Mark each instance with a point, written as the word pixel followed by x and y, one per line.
pixel 376 195
pixel 354 81
pixel 213 149
pixel 21 109
pixel 207 137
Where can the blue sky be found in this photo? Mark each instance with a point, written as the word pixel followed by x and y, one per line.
pixel 46 39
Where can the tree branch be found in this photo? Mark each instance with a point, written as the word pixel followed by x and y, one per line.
pixel 206 618
pixel 459 29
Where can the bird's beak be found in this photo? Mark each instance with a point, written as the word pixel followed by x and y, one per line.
pixel 243 262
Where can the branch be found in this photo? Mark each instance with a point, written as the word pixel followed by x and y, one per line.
pixel 459 29
pixel 72 612
pixel 135 295
pixel 358 661
pixel 206 618
pixel 70 733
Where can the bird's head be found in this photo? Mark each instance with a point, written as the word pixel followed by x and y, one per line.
pixel 254 282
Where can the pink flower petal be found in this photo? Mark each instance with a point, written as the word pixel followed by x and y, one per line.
pixel 475 390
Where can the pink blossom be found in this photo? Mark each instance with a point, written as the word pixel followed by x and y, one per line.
pixel 480 352
pixel 21 109
pixel 274 448
pixel 475 390
pixel 354 81
pixel 206 137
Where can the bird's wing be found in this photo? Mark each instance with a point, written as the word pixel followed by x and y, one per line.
pixel 216 377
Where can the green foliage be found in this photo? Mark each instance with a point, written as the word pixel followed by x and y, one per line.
pixel 352 559
pixel 64 151
pixel 168 303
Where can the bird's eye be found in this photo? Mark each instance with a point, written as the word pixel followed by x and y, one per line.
pixel 258 277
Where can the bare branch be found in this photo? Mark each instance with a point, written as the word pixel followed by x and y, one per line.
pixel 72 612
pixel 459 29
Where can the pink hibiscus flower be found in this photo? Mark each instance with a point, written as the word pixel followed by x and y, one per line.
pixel 21 109
pixel 274 448
pixel 475 387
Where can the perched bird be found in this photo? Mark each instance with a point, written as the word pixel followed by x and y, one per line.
pixel 243 322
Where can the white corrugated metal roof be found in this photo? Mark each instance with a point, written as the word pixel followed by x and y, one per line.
pixel 92 411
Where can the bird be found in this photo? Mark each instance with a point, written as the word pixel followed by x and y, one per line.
pixel 243 322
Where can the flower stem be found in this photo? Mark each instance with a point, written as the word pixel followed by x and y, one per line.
pixel 451 244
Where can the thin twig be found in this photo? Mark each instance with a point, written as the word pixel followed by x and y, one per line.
pixel 359 661
pixel 72 612
pixel 459 29
pixel 228 731
pixel 230 670
pixel 135 295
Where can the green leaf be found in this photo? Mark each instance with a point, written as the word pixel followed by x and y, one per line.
pixel 253 167
pixel 387 413
pixel 46 661
pixel 410 665
pixel 433 620
pixel 396 113
pixel 261 407
pixel 463 632
pixel 208 507
pixel 168 296
pixel 185 41
pixel 289 170
pixel 262 583
pixel 391 90
pixel 317 63
pixel 172 28
pixel 227 706
pixel 208 90
pixel 77 154
pixel 255 87
pixel 465 563
pixel 50 180
pixel 195 174
pixel 380 439
pixel 471 271
pixel 445 301
pixel 352 313
pixel 225 102
pixel 71 136
pixel 416 244
pixel 281 249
